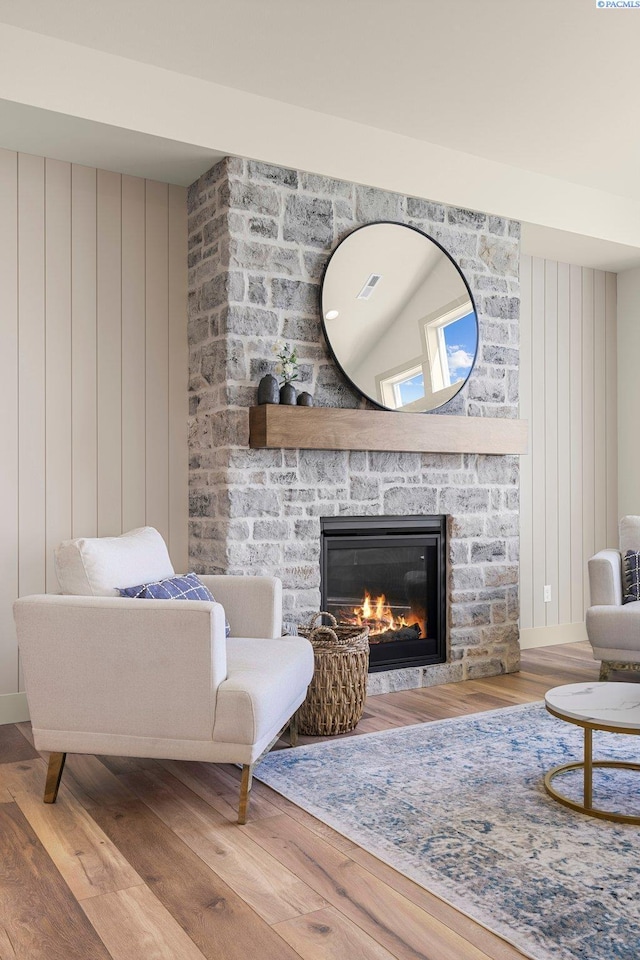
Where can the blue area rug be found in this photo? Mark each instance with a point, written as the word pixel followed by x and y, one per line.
pixel 459 806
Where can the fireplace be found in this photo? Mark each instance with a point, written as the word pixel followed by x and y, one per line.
pixel 390 574
pixel 257 511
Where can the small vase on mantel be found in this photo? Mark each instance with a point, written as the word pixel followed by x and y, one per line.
pixel 305 399
pixel 268 390
pixel 288 394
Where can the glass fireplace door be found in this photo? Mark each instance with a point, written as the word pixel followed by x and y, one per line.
pixel 391 584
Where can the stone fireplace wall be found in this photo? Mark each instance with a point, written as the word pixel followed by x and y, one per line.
pixel 259 237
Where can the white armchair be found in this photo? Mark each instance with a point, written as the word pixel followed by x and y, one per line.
pixel 613 628
pixel 157 678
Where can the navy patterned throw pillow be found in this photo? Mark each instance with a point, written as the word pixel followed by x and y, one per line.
pixel 631 569
pixel 187 587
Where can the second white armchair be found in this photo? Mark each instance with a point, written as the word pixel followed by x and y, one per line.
pixel 613 627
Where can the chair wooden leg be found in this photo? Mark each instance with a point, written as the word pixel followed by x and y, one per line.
pixel 245 791
pixel 54 775
pixel 293 731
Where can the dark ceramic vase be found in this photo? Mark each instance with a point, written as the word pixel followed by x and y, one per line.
pixel 305 400
pixel 268 390
pixel 288 394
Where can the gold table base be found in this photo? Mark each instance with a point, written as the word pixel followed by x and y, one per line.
pixel 587 765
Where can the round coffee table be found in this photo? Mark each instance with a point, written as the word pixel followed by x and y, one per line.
pixel 614 707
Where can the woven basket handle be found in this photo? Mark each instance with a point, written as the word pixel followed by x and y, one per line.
pixel 322 613
pixel 317 632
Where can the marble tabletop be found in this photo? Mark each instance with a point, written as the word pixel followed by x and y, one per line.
pixel 609 704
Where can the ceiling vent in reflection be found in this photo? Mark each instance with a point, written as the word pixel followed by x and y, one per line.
pixel 369 286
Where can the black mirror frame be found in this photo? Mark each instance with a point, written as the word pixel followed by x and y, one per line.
pixel 408 226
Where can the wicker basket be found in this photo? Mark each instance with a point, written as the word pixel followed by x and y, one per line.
pixel 336 695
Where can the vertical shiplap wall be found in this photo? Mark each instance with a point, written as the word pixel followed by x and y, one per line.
pixel 628 366
pixel 569 495
pixel 93 371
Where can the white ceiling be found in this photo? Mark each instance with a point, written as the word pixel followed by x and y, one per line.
pixel 546 85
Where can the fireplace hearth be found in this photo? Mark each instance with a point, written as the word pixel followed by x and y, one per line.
pixel 388 573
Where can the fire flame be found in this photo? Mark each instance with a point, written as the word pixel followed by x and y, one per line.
pixel 380 612
pixel 377 615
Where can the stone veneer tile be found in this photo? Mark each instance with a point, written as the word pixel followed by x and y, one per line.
pixel 259 239
pixel 387 681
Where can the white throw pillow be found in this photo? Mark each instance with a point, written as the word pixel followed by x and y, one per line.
pixel 629 534
pixel 97 566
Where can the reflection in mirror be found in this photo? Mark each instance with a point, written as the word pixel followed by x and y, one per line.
pixel 399 317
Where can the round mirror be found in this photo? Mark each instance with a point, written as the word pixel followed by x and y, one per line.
pixel 399 317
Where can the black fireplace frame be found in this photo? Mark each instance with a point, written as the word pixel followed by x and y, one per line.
pixel 378 527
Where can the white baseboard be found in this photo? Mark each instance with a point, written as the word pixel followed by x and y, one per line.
pixel 13 708
pixel 531 637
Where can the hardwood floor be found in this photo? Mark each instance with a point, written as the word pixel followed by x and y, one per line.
pixel 143 860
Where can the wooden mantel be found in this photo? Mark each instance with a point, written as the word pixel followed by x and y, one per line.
pixel 331 428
